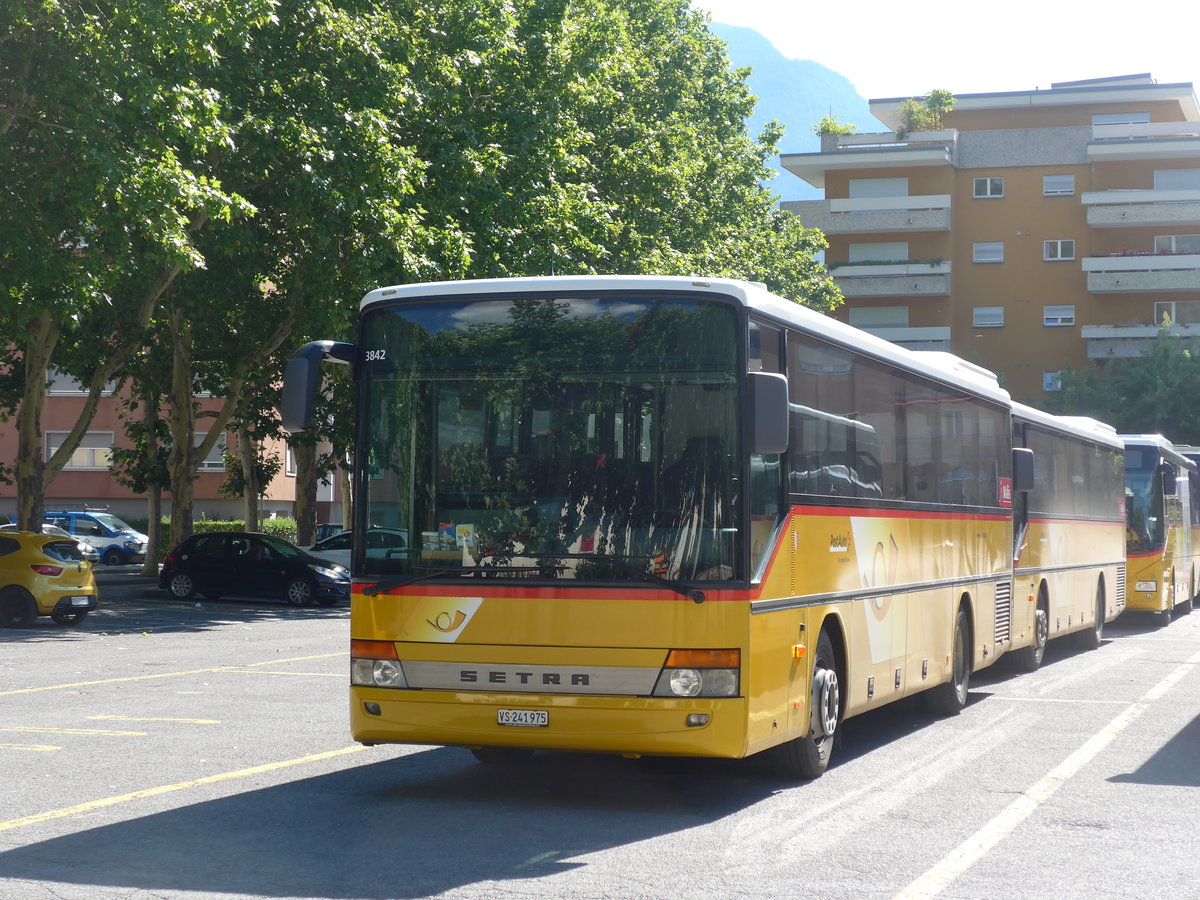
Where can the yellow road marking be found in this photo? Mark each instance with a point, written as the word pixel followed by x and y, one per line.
pixel 974 848
pixel 92 805
pixel 79 684
pixel 343 675
pixel 42 748
pixel 38 729
pixel 146 719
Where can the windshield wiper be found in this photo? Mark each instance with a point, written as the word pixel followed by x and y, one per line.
pixel 684 590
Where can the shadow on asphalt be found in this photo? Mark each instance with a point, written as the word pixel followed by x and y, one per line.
pixel 399 828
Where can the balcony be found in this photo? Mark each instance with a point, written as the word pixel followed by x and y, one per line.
pixel 1148 272
pixel 1146 140
pixel 1131 209
pixel 874 215
pixel 902 279
pixel 1128 341
pixel 927 338
pixel 875 151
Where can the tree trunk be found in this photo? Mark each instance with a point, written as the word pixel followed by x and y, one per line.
pixel 305 456
pixel 153 530
pixel 248 456
pixel 182 424
pixel 347 485
pixel 30 467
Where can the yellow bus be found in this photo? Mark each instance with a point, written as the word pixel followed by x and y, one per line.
pixel 1069 533
pixel 1161 556
pixel 667 516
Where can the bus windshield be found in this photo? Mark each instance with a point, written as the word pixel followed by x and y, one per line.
pixel 573 437
pixel 1145 531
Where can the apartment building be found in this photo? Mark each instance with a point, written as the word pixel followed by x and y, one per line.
pixel 1034 231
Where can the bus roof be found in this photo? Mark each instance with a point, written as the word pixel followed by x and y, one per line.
pixel 1080 426
pixel 752 295
pixel 1165 448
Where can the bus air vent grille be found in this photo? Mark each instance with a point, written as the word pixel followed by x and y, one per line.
pixel 1120 595
pixel 1003 611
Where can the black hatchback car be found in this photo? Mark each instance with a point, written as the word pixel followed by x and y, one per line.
pixel 220 563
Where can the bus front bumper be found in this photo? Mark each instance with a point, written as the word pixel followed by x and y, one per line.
pixel 625 725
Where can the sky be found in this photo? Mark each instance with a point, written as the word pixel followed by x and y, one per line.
pixel 890 49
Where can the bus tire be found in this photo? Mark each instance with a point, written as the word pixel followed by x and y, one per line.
pixel 1029 659
pixel 1092 638
pixel 950 698
pixel 807 758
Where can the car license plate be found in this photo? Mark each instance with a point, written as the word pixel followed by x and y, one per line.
pixel 80 601
pixel 523 718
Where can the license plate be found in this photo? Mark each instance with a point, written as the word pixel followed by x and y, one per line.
pixel 523 718
pixel 80 601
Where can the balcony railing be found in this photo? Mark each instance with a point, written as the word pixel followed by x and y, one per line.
pixel 1143 271
pixel 893 279
pixel 1130 208
pixel 1146 140
pixel 1128 341
pixel 930 212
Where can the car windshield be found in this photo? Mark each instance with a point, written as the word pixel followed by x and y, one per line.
pixel 111 522
pixel 581 437
pixel 283 548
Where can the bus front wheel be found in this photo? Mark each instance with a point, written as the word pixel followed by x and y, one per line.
pixel 808 757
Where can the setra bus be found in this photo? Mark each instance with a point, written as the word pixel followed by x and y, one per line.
pixel 671 516
pixel 1068 532
pixel 1160 550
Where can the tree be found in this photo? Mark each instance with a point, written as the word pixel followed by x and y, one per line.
pixel 98 104
pixel 1140 395
pixel 925 113
pixel 832 124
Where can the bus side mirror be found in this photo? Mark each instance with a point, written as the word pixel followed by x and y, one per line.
pixel 767 396
pixel 301 377
pixel 1022 458
pixel 1169 480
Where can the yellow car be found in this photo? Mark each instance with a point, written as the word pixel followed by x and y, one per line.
pixel 43 575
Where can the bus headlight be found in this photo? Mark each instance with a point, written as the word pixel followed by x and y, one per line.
pixel 699 673
pixel 374 664
pixel 384 673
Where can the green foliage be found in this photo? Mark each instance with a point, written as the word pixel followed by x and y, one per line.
pixel 1147 395
pixel 924 113
pixel 832 124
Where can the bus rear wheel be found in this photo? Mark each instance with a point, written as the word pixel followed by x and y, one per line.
pixel 1028 659
pixel 808 757
pixel 950 699
pixel 1092 638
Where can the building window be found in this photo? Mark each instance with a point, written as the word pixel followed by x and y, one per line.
pixel 880 251
pixel 1176 179
pixel 61 384
pixel 94 452
pixel 1177 312
pixel 988 317
pixel 879 316
pixel 989 187
pixel 988 252
pixel 1058 315
pixel 1058 185
pixel 1177 243
pixel 1052 381
pixel 1058 251
pixel 213 462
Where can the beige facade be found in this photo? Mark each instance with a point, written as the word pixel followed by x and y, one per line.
pixel 1035 231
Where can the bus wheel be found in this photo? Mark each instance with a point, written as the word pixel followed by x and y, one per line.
pixel 1028 659
pixel 808 757
pixel 1164 617
pixel 950 698
pixel 1091 638
pixel 502 756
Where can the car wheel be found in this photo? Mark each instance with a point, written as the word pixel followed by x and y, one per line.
pixel 112 557
pixel 17 608
pixel 69 616
pixel 181 586
pixel 299 592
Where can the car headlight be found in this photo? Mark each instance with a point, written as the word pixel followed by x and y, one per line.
pixel 338 574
